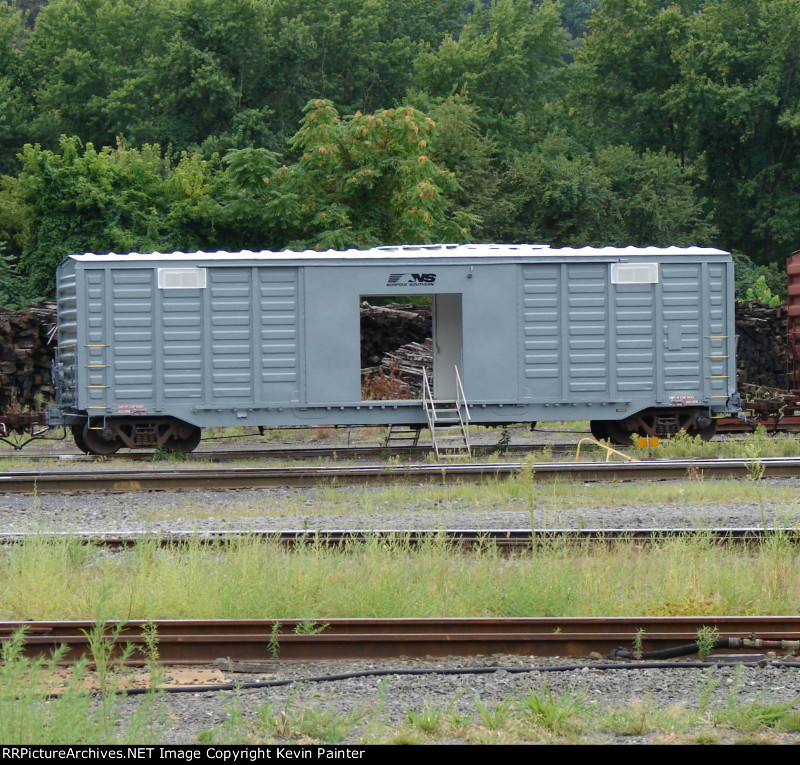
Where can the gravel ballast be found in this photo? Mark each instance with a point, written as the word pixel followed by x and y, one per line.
pixel 173 512
pixel 187 718
pixel 386 700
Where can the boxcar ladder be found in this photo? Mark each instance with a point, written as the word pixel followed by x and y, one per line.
pixel 450 415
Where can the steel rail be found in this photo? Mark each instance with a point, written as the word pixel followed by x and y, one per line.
pixel 189 478
pixel 288 453
pixel 207 641
pixel 511 539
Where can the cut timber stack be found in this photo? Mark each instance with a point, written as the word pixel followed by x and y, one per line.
pixel 385 328
pixel 761 352
pixel 27 340
pixel 400 372
pixel 408 361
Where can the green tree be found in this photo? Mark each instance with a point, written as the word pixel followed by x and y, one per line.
pixel 459 145
pixel 564 195
pixel 12 106
pixel 575 15
pixel 360 181
pixel 739 93
pixel 624 70
pixel 232 74
pixel 504 59
pixel 77 60
pixel 113 200
pixel 355 53
pixel 14 291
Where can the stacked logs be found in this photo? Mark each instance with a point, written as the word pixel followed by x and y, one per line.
pixel 400 372
pixel 27 346
pixel 384 328
pixel 761 352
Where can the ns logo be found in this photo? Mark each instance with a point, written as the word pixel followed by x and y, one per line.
pixel 401 280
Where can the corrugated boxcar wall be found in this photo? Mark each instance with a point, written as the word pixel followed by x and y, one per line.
pixel 247 319
pixel 566 351
pixel 615 340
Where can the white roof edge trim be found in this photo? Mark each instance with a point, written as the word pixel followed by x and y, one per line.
pixel 405 252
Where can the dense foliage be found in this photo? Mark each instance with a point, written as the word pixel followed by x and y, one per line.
pixel 199 124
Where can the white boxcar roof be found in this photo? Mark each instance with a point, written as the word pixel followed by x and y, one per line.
pixel 410 251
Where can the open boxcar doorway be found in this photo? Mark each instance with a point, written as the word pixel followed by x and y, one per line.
pixel 428 333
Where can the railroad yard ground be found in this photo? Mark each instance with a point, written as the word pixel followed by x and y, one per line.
pixel 712 705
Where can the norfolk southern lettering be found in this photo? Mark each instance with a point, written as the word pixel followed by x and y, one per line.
pixel 411 280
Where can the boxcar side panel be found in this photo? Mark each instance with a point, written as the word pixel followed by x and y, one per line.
pixel 491 362
pixel 681 335
pixel 131 353
pixel 332 336
pixel 585 349
pixel 541 287
pixel 566 332
pixel 633 341
pixel 279 335
pixel 95 358
pixel 228 308
pixel 180 321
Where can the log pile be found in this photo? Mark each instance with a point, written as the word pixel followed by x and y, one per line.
pixel 399 374
pixel 385 328
pixel 27 346
pixel 761 353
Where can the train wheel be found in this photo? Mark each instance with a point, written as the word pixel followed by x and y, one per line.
pixel 706 433
pixel 618 434
pixel 599 429
pixel 77 437
pixel 186 444
pixel 97 442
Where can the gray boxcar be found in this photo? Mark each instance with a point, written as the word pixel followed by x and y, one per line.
pixel 154 347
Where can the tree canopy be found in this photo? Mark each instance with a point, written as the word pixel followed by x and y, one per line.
pixel 181 124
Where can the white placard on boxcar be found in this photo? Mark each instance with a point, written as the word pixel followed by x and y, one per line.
pixel 181 278
pixel 634 273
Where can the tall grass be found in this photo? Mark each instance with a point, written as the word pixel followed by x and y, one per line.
pixel 35 709
pixel 758 444
pixel 255 579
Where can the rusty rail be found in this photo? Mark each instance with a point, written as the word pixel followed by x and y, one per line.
pixel 189 478
pixel 207 641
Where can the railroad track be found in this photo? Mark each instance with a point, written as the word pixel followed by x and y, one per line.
pixel 193 478
pixel 514 539
pixel 257 641
pixel 288 453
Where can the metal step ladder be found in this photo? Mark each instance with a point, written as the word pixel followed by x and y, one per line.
pixel 402 435
pixel 448 420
